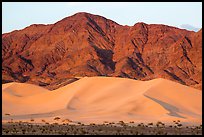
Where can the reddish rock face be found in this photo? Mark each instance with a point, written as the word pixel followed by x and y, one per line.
pixel 91 45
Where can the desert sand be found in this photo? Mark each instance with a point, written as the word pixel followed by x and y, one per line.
pixel 99 99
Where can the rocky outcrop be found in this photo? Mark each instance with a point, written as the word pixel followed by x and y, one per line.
pixel 91 45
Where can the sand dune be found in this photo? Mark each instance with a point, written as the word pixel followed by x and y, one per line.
pixel 99 99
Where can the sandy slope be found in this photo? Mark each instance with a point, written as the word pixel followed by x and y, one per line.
pixel 99 99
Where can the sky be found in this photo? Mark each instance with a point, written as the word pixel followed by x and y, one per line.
pixel 18 15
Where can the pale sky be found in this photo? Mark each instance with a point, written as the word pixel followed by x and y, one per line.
pixel 18 15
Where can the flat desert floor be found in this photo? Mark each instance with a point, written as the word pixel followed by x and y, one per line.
pixel 121 128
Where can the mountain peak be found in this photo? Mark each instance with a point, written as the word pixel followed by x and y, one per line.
pixel 86 14
pixel 141 23
pixel 81 14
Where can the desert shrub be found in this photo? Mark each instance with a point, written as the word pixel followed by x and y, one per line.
pixel 75 132
pixel 60 132
pixel 55 123
pixel 179 125
pixel 56 118
pixel 7 131
pixel 100 129
pixel 43 130
pixel 159 132
pixel 150 124
pixel 139 125
pixel 83 132
pixel 122 123
pixel 159 124
pixel 136 133
pixel 23 131
pixel 66 120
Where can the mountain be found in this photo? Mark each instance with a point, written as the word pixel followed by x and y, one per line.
pixel 90 45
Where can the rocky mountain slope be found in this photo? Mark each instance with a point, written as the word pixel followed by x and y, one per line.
pixel 90 45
